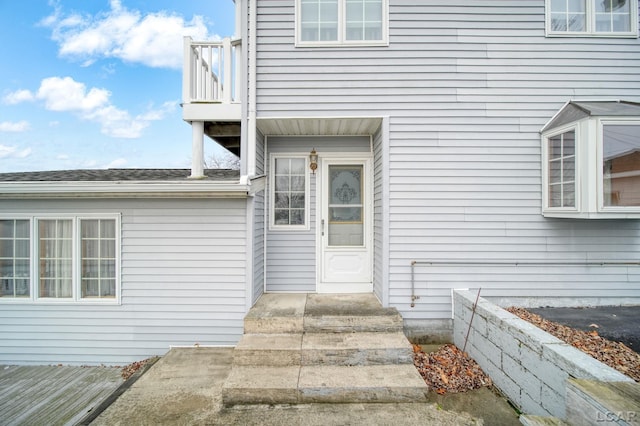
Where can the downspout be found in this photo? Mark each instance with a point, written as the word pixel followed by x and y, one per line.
pixel 251 122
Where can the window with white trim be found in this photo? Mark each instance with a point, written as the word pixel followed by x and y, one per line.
pixel 341 22
pixel 562 169
pixel 592 18
pixel 72 259
pixel 15 258
pixel 591 162
pixel 289 194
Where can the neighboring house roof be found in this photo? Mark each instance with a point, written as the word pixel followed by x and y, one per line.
pixel 118 183
pixel 577 110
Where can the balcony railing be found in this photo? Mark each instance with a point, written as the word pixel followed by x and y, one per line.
pixel 211 71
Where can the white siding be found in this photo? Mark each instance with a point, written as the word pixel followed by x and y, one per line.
pixel 183 283
pixel 258 245
pixel 467 86
pixel 291 255
pixel 379 271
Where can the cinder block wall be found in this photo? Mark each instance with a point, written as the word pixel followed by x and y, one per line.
pixel 528 365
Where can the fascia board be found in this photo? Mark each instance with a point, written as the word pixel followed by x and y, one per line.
pixel 122 189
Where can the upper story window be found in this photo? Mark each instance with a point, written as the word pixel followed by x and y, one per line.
pixel 591 161
pixel 341 22
pixel 592 18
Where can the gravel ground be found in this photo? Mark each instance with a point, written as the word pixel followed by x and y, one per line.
pixel 614 354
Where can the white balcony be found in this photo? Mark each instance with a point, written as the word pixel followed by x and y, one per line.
pixel 211 83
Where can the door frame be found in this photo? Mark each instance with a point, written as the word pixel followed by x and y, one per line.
pixel 324 160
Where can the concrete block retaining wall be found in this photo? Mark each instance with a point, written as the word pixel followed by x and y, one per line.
pixel 528 365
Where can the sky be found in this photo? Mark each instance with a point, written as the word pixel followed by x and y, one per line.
pixel 93 84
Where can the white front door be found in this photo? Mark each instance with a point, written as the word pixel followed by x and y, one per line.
pixel 345 226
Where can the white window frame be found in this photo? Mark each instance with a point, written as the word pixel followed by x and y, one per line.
pixel 76 257
pixel 590 30
pixel 545 168
pixel 589 173
pixel 601 122
pixel 342 41
pixel 272 193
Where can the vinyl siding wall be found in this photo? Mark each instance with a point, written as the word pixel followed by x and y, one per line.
pixel 466 86
pixel 183 268
pixel 291 254
pixel 258 245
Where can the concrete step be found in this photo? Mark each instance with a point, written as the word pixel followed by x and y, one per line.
pixel 247 385
pixel 529 420
pixel 276 313
pixel 356 349
pixel 283 349
pixel 323 349
pixel 594 402
pixel 349 313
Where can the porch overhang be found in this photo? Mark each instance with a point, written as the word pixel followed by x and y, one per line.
pixel 319 126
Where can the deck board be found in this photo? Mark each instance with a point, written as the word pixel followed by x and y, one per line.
pixel 50 395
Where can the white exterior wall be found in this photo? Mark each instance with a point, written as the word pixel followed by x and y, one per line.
pixel 291 254
pixel 183 283
pixel 466 86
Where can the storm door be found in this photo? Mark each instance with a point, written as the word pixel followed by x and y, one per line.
pixel 345 227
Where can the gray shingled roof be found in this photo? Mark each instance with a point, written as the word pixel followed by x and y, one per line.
pixel 114 175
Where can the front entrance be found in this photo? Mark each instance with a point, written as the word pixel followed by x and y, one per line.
pixel 345 226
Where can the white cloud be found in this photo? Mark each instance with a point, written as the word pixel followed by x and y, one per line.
pixel 154 39
pixel 18 96
pixel 15 126
pixel 12 152
pixel 116 164
pixel 64 94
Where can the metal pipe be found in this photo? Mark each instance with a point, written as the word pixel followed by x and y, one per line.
pixel 516 263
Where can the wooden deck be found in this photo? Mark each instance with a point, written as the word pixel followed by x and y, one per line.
pixel 49 395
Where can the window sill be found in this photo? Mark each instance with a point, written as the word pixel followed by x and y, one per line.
pixel 592 35
pixel 591 215
pixel 382 43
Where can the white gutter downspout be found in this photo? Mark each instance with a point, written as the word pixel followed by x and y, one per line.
pixel 251 122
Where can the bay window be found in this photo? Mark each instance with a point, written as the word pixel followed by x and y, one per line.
pixel 59 259
pixel 591 161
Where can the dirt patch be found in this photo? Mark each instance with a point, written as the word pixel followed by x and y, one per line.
pixel 614 354
pixel 449 370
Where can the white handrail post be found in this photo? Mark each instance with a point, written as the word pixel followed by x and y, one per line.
pixel 186 70
pixel 227 80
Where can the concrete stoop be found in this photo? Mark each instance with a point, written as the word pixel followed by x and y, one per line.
pixel 300 348
pixel 595 402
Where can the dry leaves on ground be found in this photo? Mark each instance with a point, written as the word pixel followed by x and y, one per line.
pixel 129 370
pixel 449 370
pixel 614 354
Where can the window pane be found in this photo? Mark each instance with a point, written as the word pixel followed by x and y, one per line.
pixel 89 228
pixel 6 228
pixel 6 268
pixel 55 270
pixel 562 166
pixel 577 22
pixel 108 288
pixel 569 195
pixel 621 165
pixel 289 196
pixel 319 20
pixel 364 20
pixel 15 259
pixel 98 257
pixel 6 248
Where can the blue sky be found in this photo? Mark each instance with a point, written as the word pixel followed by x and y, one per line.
pixel 97 83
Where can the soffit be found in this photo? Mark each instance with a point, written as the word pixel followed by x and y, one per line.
pixel 319 126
